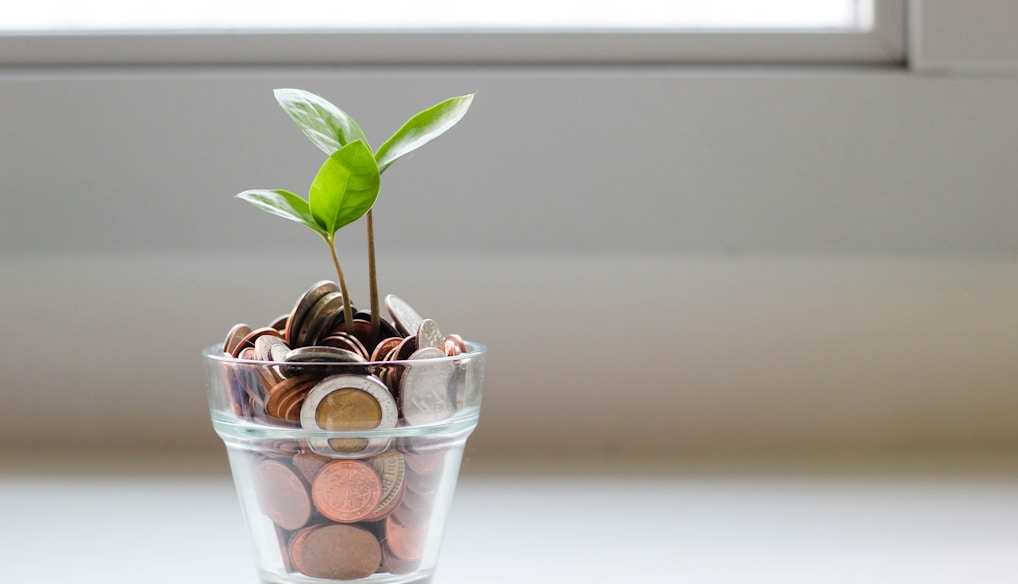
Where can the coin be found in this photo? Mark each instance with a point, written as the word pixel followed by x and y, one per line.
pixel 395 565
pixel 234 337
pixel 285 392
pixel 338 552
pixel 346 491
pixel 251 337
pixel 405 541
pixel 361 403
pixel 279 323
pixel 429 335
pixel 392 470
pixel 458 341
pixel 270 348
pixel 344 340
pixel 297 359
pixel 282 495
pixel 303 305
pixel 308 464
pixel 426 393
pixel 384 347
pixel 406 319
pixel 319 318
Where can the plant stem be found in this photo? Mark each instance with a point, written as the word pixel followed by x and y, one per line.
pixel 376 315
pixel 347 309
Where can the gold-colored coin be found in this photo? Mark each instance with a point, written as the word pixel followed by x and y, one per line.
pixel 348 409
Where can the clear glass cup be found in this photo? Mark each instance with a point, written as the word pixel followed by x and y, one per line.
pixel 338 486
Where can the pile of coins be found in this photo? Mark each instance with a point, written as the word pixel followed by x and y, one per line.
pixel 300 389
pixel 345 502
pixel 347 519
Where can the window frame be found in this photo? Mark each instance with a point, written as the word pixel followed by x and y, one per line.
pixel 885 43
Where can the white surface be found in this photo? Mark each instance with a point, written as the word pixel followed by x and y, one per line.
pixel 525 524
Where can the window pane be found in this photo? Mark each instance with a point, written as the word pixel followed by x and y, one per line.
pixel 203 15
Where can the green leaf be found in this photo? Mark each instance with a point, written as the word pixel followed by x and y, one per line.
pixel 327 126
pixel 345 188
pixel 422 128
pixel 284 204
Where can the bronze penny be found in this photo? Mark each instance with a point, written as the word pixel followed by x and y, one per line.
pixel 308 464
pixel 458 341
pixel 384 347
pixel 338 552
pixel 282 495
pixel 280 323
pixel 343 340
pixel 427 462
pixel 283 394
pixel 395 565
pixel 234 337
pixel 252 337
pixel 405 541
pixel 346 491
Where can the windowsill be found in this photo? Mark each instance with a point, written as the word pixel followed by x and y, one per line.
pixel 900 520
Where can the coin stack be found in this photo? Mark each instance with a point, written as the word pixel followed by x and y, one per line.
pixel 347 519
pixel 298 388
pixel 346 507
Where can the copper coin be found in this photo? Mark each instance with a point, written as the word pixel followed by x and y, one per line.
pixel 284 392
pixel 384 347
pixel 405 541
pixel 458 341
pixel 296 360
pixel 234 337
pixel 308 464
pixel 346 490
pixel 425 462
pixel 280 323
pixel 344 340
pixel 406 348
pixel 303 305
pixel 395 565
pixel 338 552
pixel 251 337
pixel 282 495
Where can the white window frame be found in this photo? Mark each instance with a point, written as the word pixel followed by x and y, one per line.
pixel 884 43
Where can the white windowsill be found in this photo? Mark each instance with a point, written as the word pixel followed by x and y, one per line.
pixel 168 521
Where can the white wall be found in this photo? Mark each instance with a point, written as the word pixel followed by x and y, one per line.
pixel 661 259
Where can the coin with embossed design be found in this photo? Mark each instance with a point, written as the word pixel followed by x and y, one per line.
pixel 346 491
pixel 425 389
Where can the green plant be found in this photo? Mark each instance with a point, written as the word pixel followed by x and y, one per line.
pixel 347 184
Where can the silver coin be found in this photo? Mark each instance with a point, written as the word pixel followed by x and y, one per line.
pixel 406 319
pixel 303 305
pixel 427 394
pixel 270 348
pixel 429 335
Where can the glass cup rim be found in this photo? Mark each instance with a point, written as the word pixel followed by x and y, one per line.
pixel 215 353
